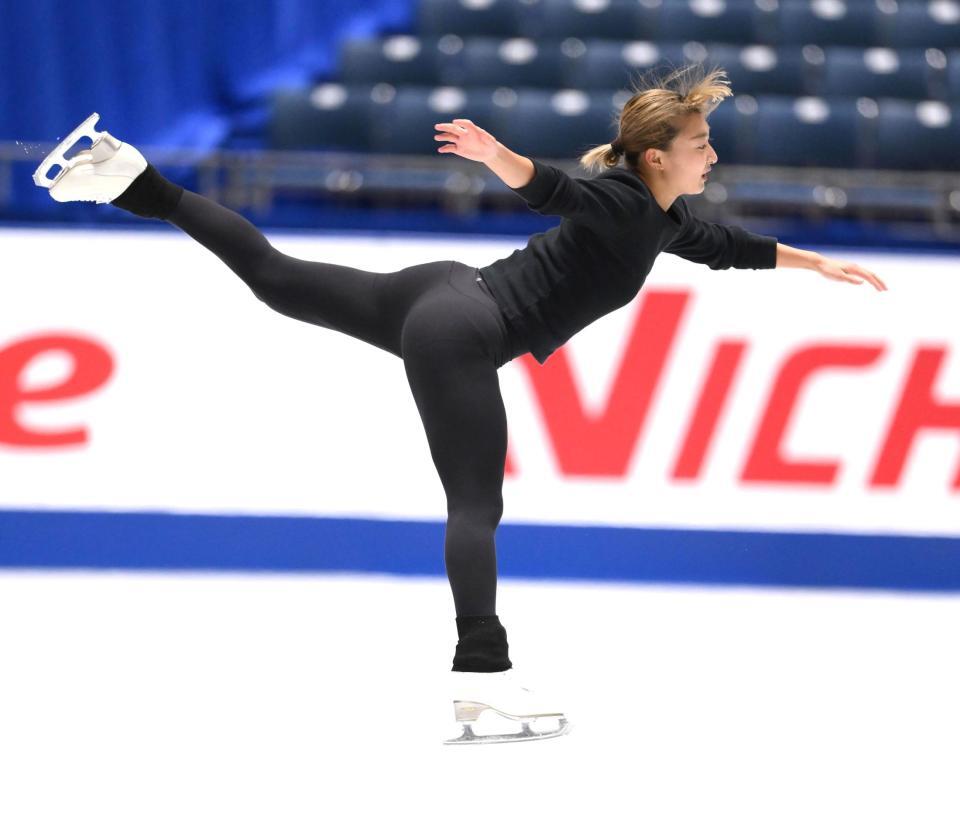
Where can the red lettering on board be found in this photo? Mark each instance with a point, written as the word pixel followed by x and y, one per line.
pixel 713 397
pixel 92 367
pixel 603 445
pixel 766 462
pixel 509 468
pixel 916 410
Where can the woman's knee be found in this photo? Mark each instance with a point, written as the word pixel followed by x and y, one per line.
pixel 273 284
pixel 263 274
pixel 480 513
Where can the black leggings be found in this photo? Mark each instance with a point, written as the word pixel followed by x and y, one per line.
pixel 452 338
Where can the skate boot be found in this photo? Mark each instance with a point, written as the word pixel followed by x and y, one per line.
pixel 98 174
pixel 507 699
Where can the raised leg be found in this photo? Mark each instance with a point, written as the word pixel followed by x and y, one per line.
pixel 371 306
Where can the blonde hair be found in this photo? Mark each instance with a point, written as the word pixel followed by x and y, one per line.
pixel 655 114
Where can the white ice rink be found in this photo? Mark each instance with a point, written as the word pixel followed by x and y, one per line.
pixel 149 693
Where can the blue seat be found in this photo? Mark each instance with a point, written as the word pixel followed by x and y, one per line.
pixel 762 69
pixel 404 124
pixel 875 72
pixel 953 74
pixel 828 23
pixel 513 62
pixel 607 64
pixel 331 116
pixel 557 125
pixel 495 18
pixel 557 19
pixel 917 135
pixel 921 25
pixel 398 60
pixel 732 21
pixel 805 132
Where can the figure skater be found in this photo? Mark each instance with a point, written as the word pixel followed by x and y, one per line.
pixel 454 325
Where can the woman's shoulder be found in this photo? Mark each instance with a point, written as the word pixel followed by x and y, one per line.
pixel 624 175
pixel 632 189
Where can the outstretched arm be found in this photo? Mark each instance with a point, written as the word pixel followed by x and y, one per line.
pixel 721 246
pixel 599 204
pixel 471 142
pixel 829 268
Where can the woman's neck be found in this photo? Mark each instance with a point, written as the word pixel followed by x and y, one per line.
pixel 663 197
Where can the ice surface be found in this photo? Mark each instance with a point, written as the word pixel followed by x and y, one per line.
pixel 126 693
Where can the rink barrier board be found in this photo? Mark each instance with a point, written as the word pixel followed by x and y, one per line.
pixel 713 401
pixel 173 541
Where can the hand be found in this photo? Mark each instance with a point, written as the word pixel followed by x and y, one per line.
pixel 466 139
pixel 845 271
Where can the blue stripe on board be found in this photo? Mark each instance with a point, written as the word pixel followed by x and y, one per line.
pixel 94 540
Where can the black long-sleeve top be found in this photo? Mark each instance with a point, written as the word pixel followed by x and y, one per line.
pixel 598 257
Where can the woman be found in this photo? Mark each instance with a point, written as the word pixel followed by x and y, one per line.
pixel 454 325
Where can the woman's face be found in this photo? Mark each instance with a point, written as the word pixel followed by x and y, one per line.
pixel 690 156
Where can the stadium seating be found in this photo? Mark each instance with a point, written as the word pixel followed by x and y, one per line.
pixel 875 72
pixel 830 22
pixel 607 64
pixel 498 18
pixel 907 73
pixel 766 130
pixel 399 60
pixel 805 132
pixel 952 75
pixel 404 122
pixel 336 116
pixel 917 135
pixel 764 69
pixel 913 23
pixel 557 123
pixel 921 25
pixel 732 21
pixel 825 83
pixel 518 61
pixel 557 19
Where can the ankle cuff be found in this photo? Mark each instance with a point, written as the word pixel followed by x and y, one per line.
pixel 150 195
pixel 482 646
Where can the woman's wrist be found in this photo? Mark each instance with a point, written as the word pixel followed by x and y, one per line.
pixel 796 258
pixel 513 169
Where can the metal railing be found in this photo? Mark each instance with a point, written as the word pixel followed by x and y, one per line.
pixel 254 179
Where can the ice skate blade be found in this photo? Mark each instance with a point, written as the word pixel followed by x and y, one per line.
pixel 469 710
pixel 57 155
pixel 525 735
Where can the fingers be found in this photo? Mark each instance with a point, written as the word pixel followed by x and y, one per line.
pixel 458 127
pixel 872 279
pixel 450 132
pixel 446 135
pixel 447 131
pixel 851 273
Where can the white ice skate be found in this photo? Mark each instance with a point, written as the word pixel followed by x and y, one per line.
pixel 503 694
pixel 99 174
